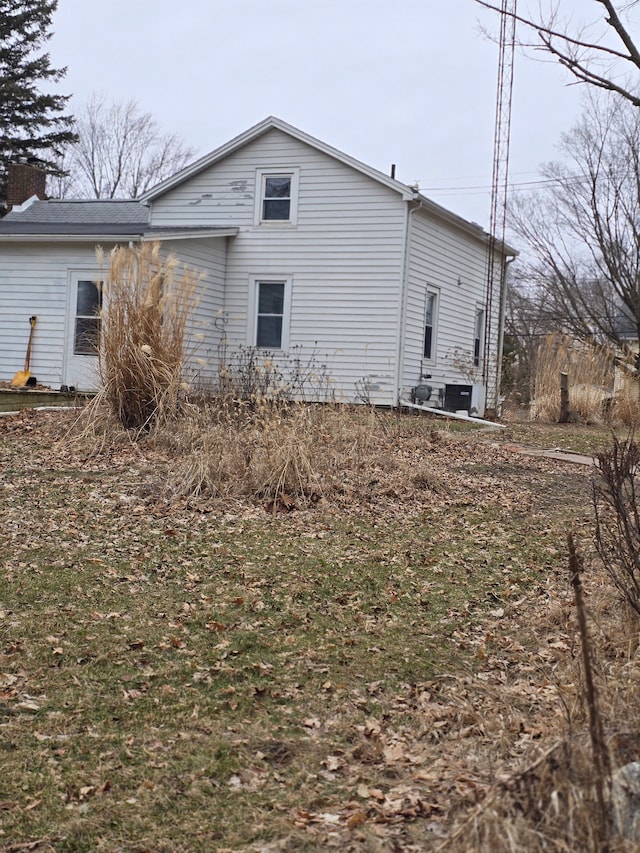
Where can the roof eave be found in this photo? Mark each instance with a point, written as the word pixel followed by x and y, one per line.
pixel 69 238
pixel 471 228
pixel 178 234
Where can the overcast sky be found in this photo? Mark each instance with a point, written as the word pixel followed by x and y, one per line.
pixel 410 82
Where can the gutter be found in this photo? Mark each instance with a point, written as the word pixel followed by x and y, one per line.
pixel 69 238
pixel 404 296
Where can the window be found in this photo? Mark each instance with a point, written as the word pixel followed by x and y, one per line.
pixel 430 311
pixel 477 337
pixel 270 301
pixel 270 314
pixel 87 317
pixel 278 197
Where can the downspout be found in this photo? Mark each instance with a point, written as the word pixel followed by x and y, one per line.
pixel 503 307
pixel 412 206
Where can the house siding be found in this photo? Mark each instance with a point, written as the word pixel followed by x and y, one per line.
pixel 34 281
pixel 204 331
pixel 357 260
pixel 344 258
pixel 454 264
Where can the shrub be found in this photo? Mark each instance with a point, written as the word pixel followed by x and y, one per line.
pixel 617 514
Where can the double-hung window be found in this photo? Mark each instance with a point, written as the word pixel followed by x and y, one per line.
pixel 430 318
pixel 277 196
pixel 276 199
pixel 271 300
pixel 478 335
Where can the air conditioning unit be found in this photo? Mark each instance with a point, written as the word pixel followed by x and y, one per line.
pixel 457 398
pixel 465 398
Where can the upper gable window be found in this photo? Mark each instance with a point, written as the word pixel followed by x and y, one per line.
pixel 278 198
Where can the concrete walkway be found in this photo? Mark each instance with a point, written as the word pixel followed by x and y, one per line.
pixel 553 453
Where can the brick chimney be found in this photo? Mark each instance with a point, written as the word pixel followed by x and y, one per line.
pixel 24 181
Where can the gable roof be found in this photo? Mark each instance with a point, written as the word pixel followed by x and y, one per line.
pixel 272 123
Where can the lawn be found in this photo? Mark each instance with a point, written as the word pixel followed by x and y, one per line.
pixel 214 675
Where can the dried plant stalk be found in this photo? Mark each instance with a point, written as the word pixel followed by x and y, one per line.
pixel 148 303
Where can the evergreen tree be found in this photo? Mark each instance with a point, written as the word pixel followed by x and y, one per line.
pixel 32 122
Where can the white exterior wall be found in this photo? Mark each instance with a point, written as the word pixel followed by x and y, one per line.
pixel 207 257
pixel 454 264
pixel 34 279
pixel 344 257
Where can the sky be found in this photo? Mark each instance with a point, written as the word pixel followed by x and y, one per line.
pixel 408 82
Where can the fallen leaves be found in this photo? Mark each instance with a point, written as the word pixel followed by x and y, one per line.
pixel 365 666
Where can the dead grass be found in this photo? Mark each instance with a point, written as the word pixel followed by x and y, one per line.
pixel 590 372
pixel 389 667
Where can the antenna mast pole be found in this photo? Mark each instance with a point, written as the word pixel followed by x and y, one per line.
pixel 496 274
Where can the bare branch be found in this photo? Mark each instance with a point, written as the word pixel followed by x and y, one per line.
pixel 581 56
pixel 121 151
pixel 583 229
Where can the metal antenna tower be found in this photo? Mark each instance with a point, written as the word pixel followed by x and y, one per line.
pixel 495 282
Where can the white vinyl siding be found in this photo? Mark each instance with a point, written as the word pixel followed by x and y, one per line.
pixel 448 258
pixel 206 331
pixel 345 256
pixel 34 279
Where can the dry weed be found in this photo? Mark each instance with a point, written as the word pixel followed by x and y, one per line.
pixel 590 374
pixel 274 451
pixel 625 410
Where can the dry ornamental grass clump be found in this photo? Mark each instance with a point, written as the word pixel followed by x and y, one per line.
pixel 590 371
pixel 148 305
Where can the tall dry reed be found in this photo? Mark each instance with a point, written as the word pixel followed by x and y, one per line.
pixel 590 372
pixel 148 302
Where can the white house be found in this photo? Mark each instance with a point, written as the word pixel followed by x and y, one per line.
pixel 302 248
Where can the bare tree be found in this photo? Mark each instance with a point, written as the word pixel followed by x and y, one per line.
pixel 582 230
pixel 601 52
pixel 527 323
pixel 120 153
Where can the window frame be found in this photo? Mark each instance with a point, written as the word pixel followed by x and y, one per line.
pixel 254 305
pixel 261 181
pixel 434 294
pixel 478 336
pixel 98 281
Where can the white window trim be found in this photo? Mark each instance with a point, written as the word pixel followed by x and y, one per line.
pixel 261 174
pixel 434 291
pixel 252 325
